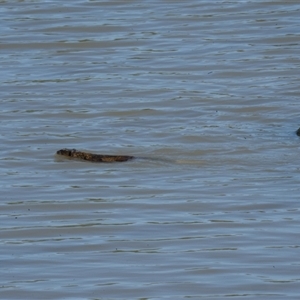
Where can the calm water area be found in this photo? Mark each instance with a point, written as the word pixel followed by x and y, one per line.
pixel 205 94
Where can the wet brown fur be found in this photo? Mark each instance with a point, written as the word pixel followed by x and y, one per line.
pixel 73 153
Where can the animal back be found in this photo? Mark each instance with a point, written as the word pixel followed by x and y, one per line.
pixel 73 153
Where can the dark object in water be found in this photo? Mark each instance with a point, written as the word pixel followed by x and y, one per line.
pixel 298 132
pixel 73 153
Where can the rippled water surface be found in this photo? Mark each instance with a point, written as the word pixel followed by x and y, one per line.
pixel 205 94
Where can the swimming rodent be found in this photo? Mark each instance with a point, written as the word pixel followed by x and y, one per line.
pixel 73 153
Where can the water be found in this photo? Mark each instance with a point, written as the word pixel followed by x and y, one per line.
pixel 207 93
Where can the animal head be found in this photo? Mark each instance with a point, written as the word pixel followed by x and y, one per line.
pixel 66 152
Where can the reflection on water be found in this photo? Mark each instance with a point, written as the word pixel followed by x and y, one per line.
pixel 205 96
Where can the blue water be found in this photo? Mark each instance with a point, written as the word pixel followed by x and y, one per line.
pixel 205 95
